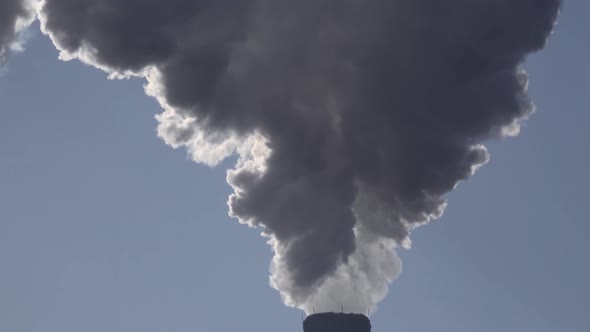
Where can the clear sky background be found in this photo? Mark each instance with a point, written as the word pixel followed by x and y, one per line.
pixel 105 228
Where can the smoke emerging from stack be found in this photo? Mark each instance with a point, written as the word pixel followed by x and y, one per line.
pixel 351 118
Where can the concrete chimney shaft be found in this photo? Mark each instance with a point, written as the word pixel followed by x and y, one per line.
pixel 337 322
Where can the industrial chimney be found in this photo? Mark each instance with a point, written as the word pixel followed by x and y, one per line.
pixel 336 322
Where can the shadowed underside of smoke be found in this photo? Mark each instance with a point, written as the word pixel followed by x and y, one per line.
pixel 351 118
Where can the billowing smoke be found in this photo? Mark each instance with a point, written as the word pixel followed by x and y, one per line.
pixel 15 15
pixel 351 118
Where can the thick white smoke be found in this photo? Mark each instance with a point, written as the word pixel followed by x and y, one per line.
pixel 351 118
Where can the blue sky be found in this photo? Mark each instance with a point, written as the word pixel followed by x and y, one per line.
pixel 105 228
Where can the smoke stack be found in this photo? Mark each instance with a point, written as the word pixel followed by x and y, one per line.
pixel 336 322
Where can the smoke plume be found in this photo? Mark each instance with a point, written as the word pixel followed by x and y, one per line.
pixel 15 15
pixel 351 118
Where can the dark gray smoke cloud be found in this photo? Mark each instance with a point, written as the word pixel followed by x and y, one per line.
pixel 15 15
pixel 351 118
